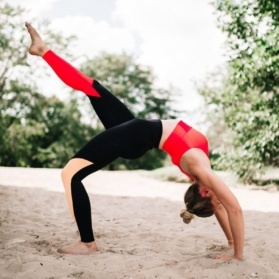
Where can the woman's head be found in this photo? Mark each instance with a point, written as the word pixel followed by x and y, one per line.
pixel 198 201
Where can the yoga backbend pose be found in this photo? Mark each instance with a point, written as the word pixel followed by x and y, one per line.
pixel 128 137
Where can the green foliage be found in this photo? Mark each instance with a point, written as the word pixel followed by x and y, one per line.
pixel 35 131
pixel 39 131
pixel 246 98
pixel 45 135
pixel 134 85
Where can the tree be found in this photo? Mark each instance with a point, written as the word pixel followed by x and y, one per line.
pixel 35 131
pixel 46 136
pixel 246 98
pixel 134 85
pixel 39 131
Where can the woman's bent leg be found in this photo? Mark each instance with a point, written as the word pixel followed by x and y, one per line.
pixel 76 193
pixel 96 154
pixel 72 167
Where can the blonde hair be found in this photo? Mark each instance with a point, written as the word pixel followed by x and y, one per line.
pixel 196 204
pixel 186 216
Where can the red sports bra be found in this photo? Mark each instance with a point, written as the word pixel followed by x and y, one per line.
pixel 183 138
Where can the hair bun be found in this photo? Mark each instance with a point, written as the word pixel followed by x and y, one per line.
pixel 186 216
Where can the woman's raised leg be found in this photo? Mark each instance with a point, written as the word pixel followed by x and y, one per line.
pixel 66 72
pixel 110 110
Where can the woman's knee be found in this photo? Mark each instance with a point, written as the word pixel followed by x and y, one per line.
pixel 72 167
pixel 64 172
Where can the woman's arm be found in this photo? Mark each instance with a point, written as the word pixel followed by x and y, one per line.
pixel 222 217
pixel 208 178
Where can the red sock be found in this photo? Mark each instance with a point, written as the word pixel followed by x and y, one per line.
pixel 70 75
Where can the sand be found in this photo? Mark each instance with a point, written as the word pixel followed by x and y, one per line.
pixel 137 228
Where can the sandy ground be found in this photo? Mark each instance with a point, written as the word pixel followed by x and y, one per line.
pixel 137 227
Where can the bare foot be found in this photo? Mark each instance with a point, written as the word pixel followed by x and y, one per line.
pixel 214 247
pixel 38 46
pixel 79 248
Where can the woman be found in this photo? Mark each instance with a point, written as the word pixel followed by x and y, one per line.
pixel 128 137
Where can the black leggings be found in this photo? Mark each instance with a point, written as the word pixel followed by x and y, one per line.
pixel 125 136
